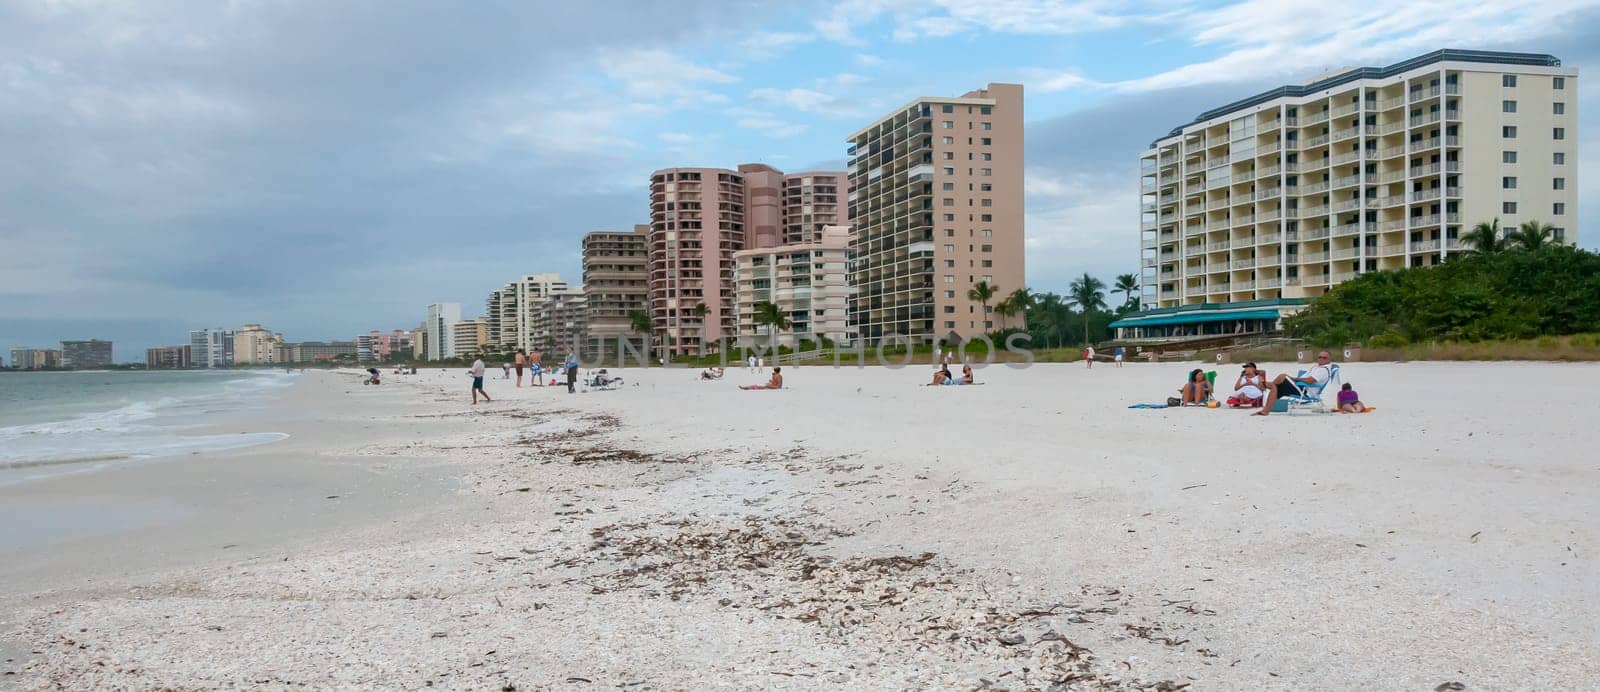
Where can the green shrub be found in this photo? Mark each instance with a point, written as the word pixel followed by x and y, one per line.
pixel 1388 340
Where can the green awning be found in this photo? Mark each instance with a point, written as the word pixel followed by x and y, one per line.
pixel 1196 318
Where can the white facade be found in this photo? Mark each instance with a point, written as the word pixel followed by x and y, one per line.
pixel 512 310
pixel 1288 193
pixel 441 321
pixel 211 348
pixel 808 281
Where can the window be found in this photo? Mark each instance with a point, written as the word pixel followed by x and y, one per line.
pixel 988 233
pixel 949 217
pixel 986 141
pixel 1558 184
pixel 948 324
pixel 988 263
pixel 1559 133
pixel 988 156
pixel 949 186
pixel 1508 106
pixel 1509 182
pixel 990 109
pixel 988 218
pixel 949 140
pixel 1509 131
pixel 1505 157
pixel 949 156
pixel 949 309
pixel 948 124
pixel 1559 208
pixel 1559 108
pixel 949 201
pixel 986 202
pixel 947 108
pixel 985 187
pixel 988 248
pixel 1508 207
pixel 1559 158
pixel 949 264
pixel 988 279
pixel 985 171
pixel 949 232
pixel 1508 80
pixel 949 170
pixel 949 248
pixel 949 278
pixel 1558 83
pixel 986 126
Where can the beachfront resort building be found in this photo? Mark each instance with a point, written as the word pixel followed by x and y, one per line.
pixel 211 348
pixel 168 357
pixel 254 344
pixel 468 337
pixel 699 217
pixel 807 280
pixel 35 358
pixel 376 346
pixel 510 311
pixel 89 353
pixel 615 285
pixel 320 351
pixel 440 322
pixel 1271 200
pixel 936 204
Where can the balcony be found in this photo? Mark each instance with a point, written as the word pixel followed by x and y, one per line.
pixel 1346 157
pixel 1310 257
pixel 1424 195
pixel 1347 181
pixel 1223 246
pixel 1215 183
pixel 1395 225
pixel 1425 221
pixel 1346 133
pixel 1268 171
pixel 1390 104
pixel 1314 188
pixel 1243 264
pixel 1425 119
pixel 1394 201
pixel 1429 143
pixel 1345 109
pixel 1318 210
pixel 1392 152
pixel 1268 260
pixel 1316 233
pixel 1267 283
pixel 1391 128
pixel 1266 149
pixel 1347 229
pixel 1217 225
pixel 1345 253
pixel 1314 142
pixel 1268 239
pixel 1346 205
pixel 1269 215
pixel 1341 277
pixel 1420 94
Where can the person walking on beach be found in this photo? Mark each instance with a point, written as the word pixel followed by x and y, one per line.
pixel 521 362
pixel 477 382
pixel 938 358
pixel 536 364
pixel 761 363
pixel 571 365
pixel 1118 354
pixel 1088 356
pixel 751 361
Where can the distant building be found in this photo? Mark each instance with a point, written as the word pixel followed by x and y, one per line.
pixel 806 280
pixel 558 322
pixel 321 351
pixel 419 342
pixel 615 284
pixel 256 345
pixel 937 206
pixel 376 346
pixel 168 357
pixel 510 311
pixel 35 358
pixel 468 337
pixel 699 217
pixel 442 318
pixel 92 353
pixel 211 348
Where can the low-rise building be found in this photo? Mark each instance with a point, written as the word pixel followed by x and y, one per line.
pixel 168 357
pixel 808 281
pixel 89 353
pixel 321 351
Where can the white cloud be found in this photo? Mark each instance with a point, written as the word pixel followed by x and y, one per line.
pixel 1076 223
pixel 869 60
pixel 766 122
pixel 769 44
pixel 918 19
pixel 658 74
pixel 808 101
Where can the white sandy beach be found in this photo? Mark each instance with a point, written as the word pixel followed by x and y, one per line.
pixel 861 531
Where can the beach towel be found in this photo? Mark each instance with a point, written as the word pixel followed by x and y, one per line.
pixel 1148 406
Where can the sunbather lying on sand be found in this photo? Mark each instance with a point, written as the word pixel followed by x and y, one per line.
pixel 775 383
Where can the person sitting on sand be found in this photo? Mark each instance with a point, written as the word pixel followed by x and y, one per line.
pixel 1250 387
pixel 1284 385
pixel 1350 401
pixel 775 383
pixel 941 376
pixel 966 375
pixel 711 373
pixel 1197 389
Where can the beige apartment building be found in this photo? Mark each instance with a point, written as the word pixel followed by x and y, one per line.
pixel 511 310
pixel 558 321
pixel 615 284
pixel 468 337
pixel 699 217
pixel 808 281
pixel 936 201
pixel 1269 201
pixel 254 344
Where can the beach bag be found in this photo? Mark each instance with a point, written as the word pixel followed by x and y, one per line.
pixel 1233 401
pixel 1174 401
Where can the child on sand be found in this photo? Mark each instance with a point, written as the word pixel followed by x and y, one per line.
pixel 1350 401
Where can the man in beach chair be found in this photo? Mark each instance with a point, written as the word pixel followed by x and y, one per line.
pixel 1304 389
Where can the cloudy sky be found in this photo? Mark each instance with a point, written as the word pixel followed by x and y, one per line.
pixel 331 167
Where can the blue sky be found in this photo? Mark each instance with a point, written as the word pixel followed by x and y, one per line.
pixel 328 168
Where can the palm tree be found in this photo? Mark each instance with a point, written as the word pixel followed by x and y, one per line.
pixel 1127 285
pixel 639 323
pixel 1048 314
pixel 1485 237
pixel 769 315
pixel 1532 235
pixel 700 311
pixel 1088 294
pixel 982 292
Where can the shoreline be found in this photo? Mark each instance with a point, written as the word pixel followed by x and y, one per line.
pixel 859 529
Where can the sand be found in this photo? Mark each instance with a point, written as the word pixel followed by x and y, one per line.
pixel 859 530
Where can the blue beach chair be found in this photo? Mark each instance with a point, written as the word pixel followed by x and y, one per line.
pixel 1310 396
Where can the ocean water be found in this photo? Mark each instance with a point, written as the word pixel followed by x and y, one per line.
pixel 54 423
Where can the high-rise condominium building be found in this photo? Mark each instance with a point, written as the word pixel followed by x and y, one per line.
pixel 168 357
pixel 510 311
pixel 92 353
pixel 254 344
pixel 380 346
pixel 558 322
pixel 35 358
pixel 699 217
pixel 468 337
pixel 936 204
pixel 211 348
pixel 441 321
pixel 1279 196
pixel 807 281
pixel 615 284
